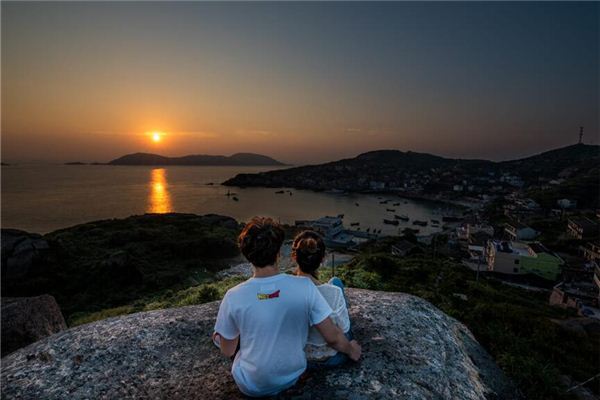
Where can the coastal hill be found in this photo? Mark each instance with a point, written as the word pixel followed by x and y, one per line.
pixel 238 159
pixel 411 350
pixel 429 174
pixel 111 263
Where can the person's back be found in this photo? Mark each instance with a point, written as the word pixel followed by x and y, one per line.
pixel 317 348
pixel 273 315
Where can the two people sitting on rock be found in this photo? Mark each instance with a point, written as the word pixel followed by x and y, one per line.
pixel 266 322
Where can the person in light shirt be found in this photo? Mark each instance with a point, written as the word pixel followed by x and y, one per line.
pixel 263 323
pixel 308 250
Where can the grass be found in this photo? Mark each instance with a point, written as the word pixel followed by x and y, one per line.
pixel 169 298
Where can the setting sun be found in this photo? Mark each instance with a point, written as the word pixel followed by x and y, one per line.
pixel 156 136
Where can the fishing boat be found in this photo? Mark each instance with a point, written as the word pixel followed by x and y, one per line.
pixel 357 205
pixel 401 217
pixel 340 216
pixel 410 230
pixel 228 194
pixel 235 199
pixel 435 221
pixel 368 229
pixel 390 221
pixel 451 218
pixel 384 202
pixel 354 223
pixel 420 223
pixel 280 192
pixel 390 209
pixel 396 204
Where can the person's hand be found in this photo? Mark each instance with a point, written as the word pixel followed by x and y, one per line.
pixel 355 351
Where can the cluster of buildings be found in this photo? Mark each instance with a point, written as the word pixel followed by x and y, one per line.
pixel 332 230
pixel 515 253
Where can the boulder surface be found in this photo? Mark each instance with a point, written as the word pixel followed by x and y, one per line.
pixel 411 350
pixel 28 319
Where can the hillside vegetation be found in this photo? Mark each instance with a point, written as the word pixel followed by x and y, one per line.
pixel 517 327
pixel 111 263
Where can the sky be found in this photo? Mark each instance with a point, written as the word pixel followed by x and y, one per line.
pixel 301 82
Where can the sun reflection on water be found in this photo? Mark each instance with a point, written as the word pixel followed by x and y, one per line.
pixel 159 200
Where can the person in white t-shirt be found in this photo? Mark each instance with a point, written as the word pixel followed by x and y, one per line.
pixel 308 250
pixel 264 322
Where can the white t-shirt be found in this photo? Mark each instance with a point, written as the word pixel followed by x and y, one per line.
pixel 316 346
pixel 272 316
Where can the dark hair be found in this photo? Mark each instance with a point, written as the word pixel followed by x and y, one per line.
pixel 261 240
pixel 308 250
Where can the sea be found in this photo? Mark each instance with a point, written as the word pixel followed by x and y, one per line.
pixel 44 198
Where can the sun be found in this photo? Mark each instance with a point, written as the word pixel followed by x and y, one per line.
pixel 156 137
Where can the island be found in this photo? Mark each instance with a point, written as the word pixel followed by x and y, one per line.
pixel 238 159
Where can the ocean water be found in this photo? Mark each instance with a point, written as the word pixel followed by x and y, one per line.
pixel 43 198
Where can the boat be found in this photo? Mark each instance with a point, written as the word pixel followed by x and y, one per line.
pixel 280 192
pixel 435 221
pixel 396 204
pixel 230 194
pixel 390 221
pixel 451 218
pixel 390 210
pixel 368 229
pixel 210 184
pixel 340 216
pixel 401 217
pixel 420 223
pixel 235 199
pixel 383 202
pixel 354 223
pixel 357 205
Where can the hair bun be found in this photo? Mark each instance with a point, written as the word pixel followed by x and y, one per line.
pixel 310 245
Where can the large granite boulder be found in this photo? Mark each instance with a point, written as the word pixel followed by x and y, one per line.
pixel 411 350
pixel 28 319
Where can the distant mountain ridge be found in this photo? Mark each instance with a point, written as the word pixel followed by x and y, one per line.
pixel 238 159
pixel 394 166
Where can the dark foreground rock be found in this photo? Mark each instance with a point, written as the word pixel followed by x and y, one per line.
pixel 28 319
pixel 411 351
pixel 21 253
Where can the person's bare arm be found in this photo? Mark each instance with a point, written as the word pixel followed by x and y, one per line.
pixel 227 346
pixel 335 338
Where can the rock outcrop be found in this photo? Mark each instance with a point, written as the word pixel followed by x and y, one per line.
pixel 28 319
pixel 21 252
pixel 411 351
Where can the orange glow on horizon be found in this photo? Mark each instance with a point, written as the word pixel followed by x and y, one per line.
pixel 156 137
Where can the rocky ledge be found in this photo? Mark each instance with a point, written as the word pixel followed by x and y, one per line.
pixel 411 350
